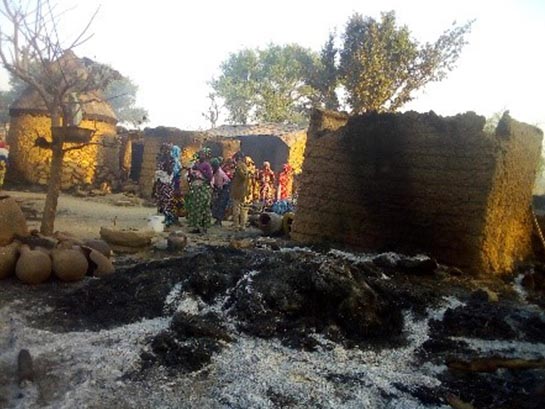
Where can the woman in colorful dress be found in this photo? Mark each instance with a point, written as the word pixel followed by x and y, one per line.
pixel 200 194
pixel 285 182
pixel 163 190
pixel 221 184
pixel 266 185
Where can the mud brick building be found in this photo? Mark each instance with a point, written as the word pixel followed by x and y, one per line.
pixel 421 183
pixel 29 119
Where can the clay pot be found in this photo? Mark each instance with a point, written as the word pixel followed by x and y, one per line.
pixel 99 245
pixel 126 238
pixel 69 264
pixel 100 265
pixel 33 266
pixel 270 223
pixel 176 240
pixel 12 220
pixel 8 259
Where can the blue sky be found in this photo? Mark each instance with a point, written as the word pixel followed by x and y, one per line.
pixel 171 49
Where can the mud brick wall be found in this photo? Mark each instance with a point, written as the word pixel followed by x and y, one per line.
pixel 81 166
pixel 190 142
pixel 421 183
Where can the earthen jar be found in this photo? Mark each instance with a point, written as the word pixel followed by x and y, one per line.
pixel 99 245
pixel 8 259
pixel 12 220
pixel 69 264
pixel 33 266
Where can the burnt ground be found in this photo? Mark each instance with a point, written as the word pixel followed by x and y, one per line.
pixel 217 299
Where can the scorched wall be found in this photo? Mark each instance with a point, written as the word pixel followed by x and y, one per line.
pixel 421 183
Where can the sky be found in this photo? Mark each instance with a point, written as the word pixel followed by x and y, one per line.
pixel 172 49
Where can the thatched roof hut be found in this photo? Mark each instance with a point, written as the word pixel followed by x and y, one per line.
pixel 30 119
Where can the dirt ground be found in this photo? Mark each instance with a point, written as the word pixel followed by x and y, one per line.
pixel 83 216
pixel 269 325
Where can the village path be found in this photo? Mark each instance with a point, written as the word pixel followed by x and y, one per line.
pixel 83 217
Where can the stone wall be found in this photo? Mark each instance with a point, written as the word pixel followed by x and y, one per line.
pixel 83 166
pixel 420 183
pixel 189 141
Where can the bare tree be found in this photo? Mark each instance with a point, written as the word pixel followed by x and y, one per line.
pixel 31 49
pixel 213 112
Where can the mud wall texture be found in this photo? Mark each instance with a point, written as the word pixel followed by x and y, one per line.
pixel 421 183
pixel 92 164
pixel 190 142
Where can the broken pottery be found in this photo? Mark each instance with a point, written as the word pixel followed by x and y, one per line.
pixel 100 265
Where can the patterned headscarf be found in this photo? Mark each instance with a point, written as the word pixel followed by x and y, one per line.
pixel 175 155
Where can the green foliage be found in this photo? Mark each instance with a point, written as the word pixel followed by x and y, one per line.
pixel 324 77
pixel 381 65
pixel 269 85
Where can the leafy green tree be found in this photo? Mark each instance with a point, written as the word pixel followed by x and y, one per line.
pixel 237 85
pixel 324 77
pixel 121 95
pixel 381 65
pixel 268 85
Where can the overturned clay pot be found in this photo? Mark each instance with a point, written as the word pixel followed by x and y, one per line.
pixel 33 266
pixel 69 264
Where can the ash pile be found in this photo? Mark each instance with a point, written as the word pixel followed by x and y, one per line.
pixel 305 328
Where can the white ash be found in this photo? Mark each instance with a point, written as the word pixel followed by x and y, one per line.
pixel 507 349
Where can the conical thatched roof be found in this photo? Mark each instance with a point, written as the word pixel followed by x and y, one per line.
pixel 93 103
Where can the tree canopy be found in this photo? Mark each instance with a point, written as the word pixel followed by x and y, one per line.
pixel 269 85
pixel 381 65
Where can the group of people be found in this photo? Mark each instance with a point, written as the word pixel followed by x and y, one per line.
pixel 215 186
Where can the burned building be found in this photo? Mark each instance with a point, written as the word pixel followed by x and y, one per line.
pixel 421 183
pixel 276 143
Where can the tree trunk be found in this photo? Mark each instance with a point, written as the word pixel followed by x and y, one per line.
pixel 54 187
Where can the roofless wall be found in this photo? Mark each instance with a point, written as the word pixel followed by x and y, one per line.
pixel 418 182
